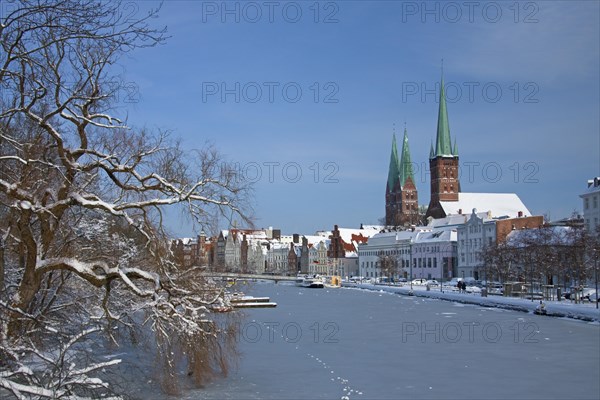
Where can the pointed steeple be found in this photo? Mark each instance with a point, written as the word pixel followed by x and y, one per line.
pixel 443 144
pixel 406 169
pixel 394 170
pixel 455 149
pixel 431 152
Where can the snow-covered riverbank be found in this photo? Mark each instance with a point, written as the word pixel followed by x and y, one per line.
pixel 565 308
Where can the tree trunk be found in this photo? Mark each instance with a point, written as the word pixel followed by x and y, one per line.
pixel 1 265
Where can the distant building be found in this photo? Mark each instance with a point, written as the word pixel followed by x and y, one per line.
pixel 318 263
pixel 294 256
pixel 396 244
pixel 591 207
pixel 434 254
pixel 190 252
pixel 343 249
pixel 401 197
pixel 277 258
pixel 481 230
pixel 446 195
pixel 443 164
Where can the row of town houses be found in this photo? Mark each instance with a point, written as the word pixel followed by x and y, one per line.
pixel 267 251
pixel 444 248
pixel 447 243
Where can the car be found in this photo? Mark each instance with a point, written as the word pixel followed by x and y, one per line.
pixel 419 281
pixel 473 289
pixel 432 282
pixel 582 294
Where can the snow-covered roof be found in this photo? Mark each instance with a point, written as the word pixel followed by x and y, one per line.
pixel 187 241
pixel 347 233
pixel 375 227
pixel 499 204
pixel 437 235
pixel 277 245
pixel 593 186
pixel 390 238
pixel 449 220
pixel 256 236
pixel 314 239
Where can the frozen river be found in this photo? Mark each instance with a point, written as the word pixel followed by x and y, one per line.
pixel 348 343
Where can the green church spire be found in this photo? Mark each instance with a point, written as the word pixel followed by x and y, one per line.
pixel 443 144
pixel 406 169
pixel 455 149
pixel 394 170
pixel 431 152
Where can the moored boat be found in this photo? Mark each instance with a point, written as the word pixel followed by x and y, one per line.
pixel 314 283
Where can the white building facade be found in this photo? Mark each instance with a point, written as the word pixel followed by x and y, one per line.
pixel 473 236
pixel 434 254
pixel 277 258
pixel 591 205
pixel 394 244
pixel 318 262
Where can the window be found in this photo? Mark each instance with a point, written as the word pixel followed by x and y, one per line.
pixel 586 203
pixel 595 198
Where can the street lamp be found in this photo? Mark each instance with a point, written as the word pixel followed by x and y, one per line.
pixel 411 275
pixel 531 279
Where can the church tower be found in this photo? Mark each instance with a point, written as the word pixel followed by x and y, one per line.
pixel 401 200
pixel 443 163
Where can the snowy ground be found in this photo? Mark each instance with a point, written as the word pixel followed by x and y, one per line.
pixel 565 308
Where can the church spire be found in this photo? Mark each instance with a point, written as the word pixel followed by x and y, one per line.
pixel 443 144
pixel 394 170
pixel 406 169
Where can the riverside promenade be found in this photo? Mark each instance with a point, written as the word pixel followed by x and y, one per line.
pixel 564 308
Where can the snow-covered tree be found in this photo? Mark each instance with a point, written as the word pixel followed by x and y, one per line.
pixel 82 198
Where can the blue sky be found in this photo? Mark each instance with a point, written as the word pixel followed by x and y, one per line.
pixel 522 83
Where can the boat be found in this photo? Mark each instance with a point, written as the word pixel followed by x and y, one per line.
pixel 314 283
pixel 307 281
pixel 248 299
pixel 254 305
pixel 239 300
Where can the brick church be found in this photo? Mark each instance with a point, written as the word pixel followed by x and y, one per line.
pixel 401 198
